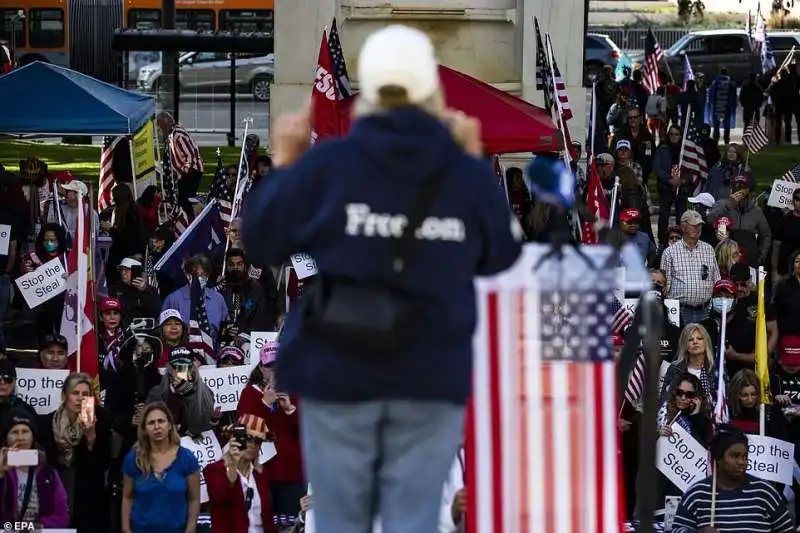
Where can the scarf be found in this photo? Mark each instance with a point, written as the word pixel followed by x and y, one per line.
pixel 112 340
pixel 67 435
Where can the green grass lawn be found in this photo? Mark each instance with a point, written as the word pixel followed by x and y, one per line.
pixel 771 164
pixel 84 160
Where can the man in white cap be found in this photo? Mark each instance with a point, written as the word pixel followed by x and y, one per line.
pixel 382 412
pixel 70 208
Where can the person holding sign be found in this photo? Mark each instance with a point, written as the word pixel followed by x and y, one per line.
pixel 238 486
pixel 51 242
pixel 161 484
pixel 77 440
pixel 735 500
pixel 30 489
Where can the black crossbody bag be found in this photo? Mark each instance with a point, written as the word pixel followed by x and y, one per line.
pixel 368 316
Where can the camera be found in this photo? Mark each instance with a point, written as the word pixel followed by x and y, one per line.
pixel 240 435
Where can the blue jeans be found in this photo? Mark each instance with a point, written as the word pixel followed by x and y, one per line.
pixel 5 299
pixel 691 315
pixel 386 459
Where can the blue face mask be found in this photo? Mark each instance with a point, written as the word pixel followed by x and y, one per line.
pixel 50 246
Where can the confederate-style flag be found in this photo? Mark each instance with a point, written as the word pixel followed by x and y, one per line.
pixel 79 302
pixel 325 97
pixel 596 203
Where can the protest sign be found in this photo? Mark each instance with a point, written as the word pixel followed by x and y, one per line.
pixel 144 158
pixel 781 194
pixel 257 341
pixel 770 459
pixel 304 265
pixel 671 504
pixel 662 371
pixel 682 459
pixel 673 308
pixel 44 283
pixel 207 450
pixel 5 238
pixel 40 388
pixel 226 384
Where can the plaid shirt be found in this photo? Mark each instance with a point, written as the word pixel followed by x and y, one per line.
pixel 185 155
pixel 691 272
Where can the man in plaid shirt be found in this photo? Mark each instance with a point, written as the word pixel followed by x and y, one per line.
pixel 187 163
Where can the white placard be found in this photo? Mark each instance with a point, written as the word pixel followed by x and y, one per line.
pixel 257 341
pixel 304 265
pixel 662 371
pixel 226 384
pixel 673 311
pixel 671 504
pixel 781 194
pixel 5 238
pixel 770 459
pixel 207 451
pixel 40 388
pixel 631 304
pixel 44 283
pixel 681 458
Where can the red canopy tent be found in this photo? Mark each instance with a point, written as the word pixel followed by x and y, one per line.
pixel 508 124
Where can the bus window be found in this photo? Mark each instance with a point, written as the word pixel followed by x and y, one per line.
pixel 144 19
pixel 46 28
pixel 241 21
pixel 8 15
pixel 193 19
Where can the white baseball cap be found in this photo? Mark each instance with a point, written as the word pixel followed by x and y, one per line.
pixel 402 56
pixel 75 185
pixel 166 314
pixel 129 262
pixel 704 199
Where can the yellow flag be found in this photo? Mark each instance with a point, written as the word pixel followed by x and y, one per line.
pixel 762 368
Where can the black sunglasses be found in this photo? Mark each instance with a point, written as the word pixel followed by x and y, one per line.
pixel 688 394
pixel 7 378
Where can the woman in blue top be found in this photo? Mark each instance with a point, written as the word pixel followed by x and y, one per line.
pixel 161 491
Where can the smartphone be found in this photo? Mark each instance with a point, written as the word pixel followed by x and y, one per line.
pixel 240 435
pixel 87 411
pixel 136 272
pixel 22 457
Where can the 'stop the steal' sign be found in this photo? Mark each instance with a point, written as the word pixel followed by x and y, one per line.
pixel 304 265
pixel 44 283
pixel 5 238
pixel 781 194
pixel 207 450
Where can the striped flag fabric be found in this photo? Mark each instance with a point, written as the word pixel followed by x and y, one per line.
pixel 621 317
pixel 754 137
pixel 652 58
pixel 542 70
pixel 542 442
pixel 339 64
pixel 200 341
pixel 634 388
pixel 694 158
pixel 561 90
pixel 688 72
pixel 793 174
pixel 107 181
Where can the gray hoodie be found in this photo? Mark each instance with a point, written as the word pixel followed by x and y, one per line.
pixel 746 217
pixel 198 404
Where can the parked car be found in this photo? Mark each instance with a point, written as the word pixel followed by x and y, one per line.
pixel 710 50
pixel 600 51
pixel 209 72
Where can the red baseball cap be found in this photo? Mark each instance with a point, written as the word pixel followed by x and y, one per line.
pixel 110 304
pixel 629 214
pixel 790 350
pixel 725 285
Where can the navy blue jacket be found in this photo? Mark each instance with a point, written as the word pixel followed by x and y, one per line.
pixel 334 203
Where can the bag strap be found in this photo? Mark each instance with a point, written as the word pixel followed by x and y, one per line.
pixel 419 209
pixel 26 498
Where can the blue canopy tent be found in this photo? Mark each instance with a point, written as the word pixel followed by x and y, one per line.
pixel 48 100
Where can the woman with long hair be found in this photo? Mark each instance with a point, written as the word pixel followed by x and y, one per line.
pixel 728 254
pixel 77 440
pixel 695 357
pixel 744 407
pixel 669 187
pixel 51 243
pixel 686 405
pixel 721 175
pixel 126 230
pixel 161 483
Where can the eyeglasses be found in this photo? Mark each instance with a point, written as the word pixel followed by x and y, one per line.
pixel 7 379
pixel 248 498
pixel 688 394
pixel 704 272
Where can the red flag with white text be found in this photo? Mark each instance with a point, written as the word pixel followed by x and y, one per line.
pixel 80 296
pixel 325 97
pixel 596 203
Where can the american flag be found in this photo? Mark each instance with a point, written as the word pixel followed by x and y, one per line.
pixel 200 341
pixel 793 174
pixel 542 71
pixel 339 64
pixel 694 158
pixel 561 90
pixel 688 73
pixel 767 57
pixel 107 179
pixel 621 318
pixel 634 389
pixel 754 137
pixel 652 58
pixel 542 448
pixel 176 215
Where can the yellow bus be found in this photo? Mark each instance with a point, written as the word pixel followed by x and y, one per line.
pixel 37 30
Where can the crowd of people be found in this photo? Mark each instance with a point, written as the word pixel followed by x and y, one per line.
pixel 110 456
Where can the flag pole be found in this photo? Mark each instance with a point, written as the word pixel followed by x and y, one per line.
pixel 81 289
pixel 236 192
pixel 721 396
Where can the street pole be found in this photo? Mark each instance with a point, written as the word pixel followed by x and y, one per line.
pixel 170 85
